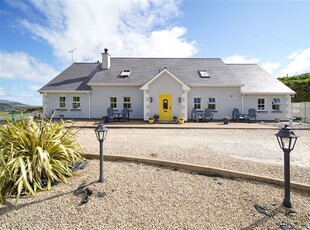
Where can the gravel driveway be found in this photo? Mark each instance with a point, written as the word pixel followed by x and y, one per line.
pixel 138 196
pixel 251 151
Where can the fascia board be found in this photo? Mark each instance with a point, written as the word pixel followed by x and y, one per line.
pixel 65 91
pixel 218 85
pixel 268 93
pixel 184 86
pixel 114 84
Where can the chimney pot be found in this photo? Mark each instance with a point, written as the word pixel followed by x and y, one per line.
pixel 105 50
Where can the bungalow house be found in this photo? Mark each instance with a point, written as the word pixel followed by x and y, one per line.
pixel 164 86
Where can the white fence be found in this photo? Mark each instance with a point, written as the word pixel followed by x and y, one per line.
pixel 301 109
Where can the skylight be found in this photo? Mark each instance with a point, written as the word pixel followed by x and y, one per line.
pixel 125 73
pixel 204 74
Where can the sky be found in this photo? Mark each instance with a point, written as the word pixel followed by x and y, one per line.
pixel 37 35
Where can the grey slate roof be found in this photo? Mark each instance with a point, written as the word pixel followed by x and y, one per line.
pixel 74 78
pixel 252 78
pixel 186 69
pixel 258 80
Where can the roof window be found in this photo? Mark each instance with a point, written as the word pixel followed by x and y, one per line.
pixel 125 73
pixel 204 74
pixel 276 101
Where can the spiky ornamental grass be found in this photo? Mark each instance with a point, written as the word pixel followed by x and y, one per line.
pixel 35 155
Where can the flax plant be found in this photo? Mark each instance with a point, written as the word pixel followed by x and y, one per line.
pixel 35 155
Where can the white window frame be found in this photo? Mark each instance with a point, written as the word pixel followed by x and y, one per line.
pixel 60 102
pixel 76 103
pixel 212 104
pixel 261 104
pixel 114 107
pixel 127 103
pixel 199 104
pixel 276 104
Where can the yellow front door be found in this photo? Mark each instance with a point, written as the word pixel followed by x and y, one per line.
pixel 165 107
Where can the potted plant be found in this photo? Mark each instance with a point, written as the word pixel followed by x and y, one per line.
pixel 156 117
pixel 226 120
pixel 106 118
pixel 181 120
pixel 175 119
pixel 151 120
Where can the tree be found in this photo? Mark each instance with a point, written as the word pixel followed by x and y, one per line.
pixel 300 84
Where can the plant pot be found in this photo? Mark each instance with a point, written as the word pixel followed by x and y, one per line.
pixel 151 121
pixel 106 120
pixel 226 122
pixel 181 121
pixel 175 121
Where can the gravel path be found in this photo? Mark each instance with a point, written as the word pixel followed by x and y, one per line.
pixel 137 196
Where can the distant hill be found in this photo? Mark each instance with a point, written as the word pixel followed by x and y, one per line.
pixel 6 106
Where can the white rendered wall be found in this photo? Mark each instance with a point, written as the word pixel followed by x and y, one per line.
pixel 227 99
pixel 250 101
pixel 165 84
pixel 100 100
pixel 51 105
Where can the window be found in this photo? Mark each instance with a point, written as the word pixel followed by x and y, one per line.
pixel 276 102
pixel 125 73
pixel 62 102
pixel 197 102
pixel 76 102
pixel 127 103
pixel 261 104
pixel 113 102
pixel 212 103
pixel 204 74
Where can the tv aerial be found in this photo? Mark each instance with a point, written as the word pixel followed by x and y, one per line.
pixel 71 51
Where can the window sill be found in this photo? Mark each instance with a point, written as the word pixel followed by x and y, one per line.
pixel 75 109
pixel 61 109
pixel 276 112
pixel 262 111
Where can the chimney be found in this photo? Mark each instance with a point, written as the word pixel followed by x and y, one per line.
pixel 106 60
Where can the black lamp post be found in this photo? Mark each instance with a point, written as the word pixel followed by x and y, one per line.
pixel 287 140
pixel 101 134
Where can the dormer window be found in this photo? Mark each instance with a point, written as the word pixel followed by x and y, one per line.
pixel 204 74
pixel 125 73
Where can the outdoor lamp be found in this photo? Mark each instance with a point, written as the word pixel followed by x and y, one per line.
pixel 101 134
pixel 287 140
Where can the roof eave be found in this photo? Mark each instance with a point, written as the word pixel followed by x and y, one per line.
pixel 217 85
pixel 64 91
pixel 267 93
pixel 115 84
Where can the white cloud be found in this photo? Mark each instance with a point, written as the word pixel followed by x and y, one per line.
pixel 270 66
pixel 239 59
pixel 299 63
pixel 2 92
pixel 34 88
pixel 20 65
pixel 127 28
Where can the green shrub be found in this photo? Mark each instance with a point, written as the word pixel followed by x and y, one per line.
pixel 35 155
